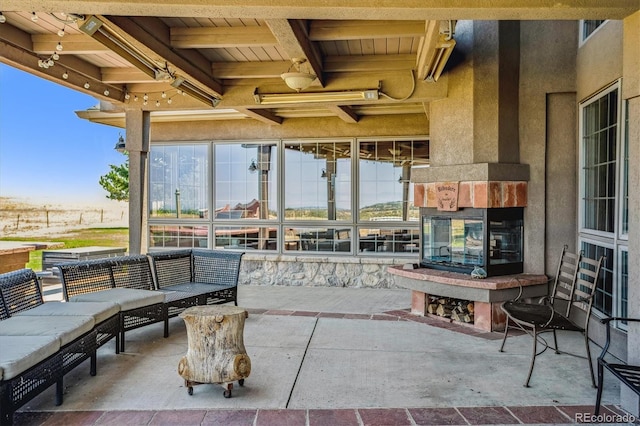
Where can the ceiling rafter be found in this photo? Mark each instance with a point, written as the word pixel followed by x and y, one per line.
pixel 220 37
pixel 151 35
pixel 345 113
pixel 263 115
pixel 329 30
pixel 292 36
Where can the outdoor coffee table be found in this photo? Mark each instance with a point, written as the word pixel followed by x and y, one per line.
pixel 216 352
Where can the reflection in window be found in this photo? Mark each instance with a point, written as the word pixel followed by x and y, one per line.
pixel 393 240
pixel 178 183
pixel 178 236
pixel 317 180
pixel 246 238
pixel 604 296
pixel 599 142
pixel 318 239
pixel 386 192
pixel 245 181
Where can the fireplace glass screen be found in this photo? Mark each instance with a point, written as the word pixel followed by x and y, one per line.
pixel 460 241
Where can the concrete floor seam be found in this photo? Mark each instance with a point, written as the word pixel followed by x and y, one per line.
pixel 304 355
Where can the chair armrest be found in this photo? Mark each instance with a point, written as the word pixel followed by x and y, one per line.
pixel 607 321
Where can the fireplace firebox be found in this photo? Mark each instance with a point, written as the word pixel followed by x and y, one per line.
pixel 462 240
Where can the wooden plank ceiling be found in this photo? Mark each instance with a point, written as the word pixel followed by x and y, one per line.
pixel 219 63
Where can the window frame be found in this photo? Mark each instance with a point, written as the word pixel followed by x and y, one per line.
pixel 353 225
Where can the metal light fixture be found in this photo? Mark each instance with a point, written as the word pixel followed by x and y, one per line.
pixel 120 145
pixel 295 98
pixel 298 80
pixel 253 167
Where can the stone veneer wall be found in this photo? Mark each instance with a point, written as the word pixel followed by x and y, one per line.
pixel 257 269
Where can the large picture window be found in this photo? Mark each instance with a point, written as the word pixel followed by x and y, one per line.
pixel 344 196
pixel 604 196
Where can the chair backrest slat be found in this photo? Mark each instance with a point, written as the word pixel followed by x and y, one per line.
pixel 564 283
pixel 585 288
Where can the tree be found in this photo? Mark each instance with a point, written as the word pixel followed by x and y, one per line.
pixel 116 182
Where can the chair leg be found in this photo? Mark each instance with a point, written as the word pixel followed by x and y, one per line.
pixel 586 342
pixel 600 387
pixel 555 342
pixel 506 332
pixel 533 356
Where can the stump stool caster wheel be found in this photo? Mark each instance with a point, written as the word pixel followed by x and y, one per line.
pixel 227 392
pixel 241 382
pixel 190 390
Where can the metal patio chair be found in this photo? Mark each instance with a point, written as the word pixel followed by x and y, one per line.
pixel 568 308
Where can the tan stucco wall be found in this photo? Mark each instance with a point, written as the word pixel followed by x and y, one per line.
pixel 547 67
pixel 631 91
pixel 398 125
pixel 599 60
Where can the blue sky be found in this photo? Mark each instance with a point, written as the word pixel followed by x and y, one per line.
pixel 47 153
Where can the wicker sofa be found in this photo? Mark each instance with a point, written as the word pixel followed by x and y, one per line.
pixel 41 342
pixel 210 277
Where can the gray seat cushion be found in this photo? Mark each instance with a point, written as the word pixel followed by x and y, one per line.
pixel 126 298
pixel 196 288
pixel 100 311
pixel 19 353
pixel 65 328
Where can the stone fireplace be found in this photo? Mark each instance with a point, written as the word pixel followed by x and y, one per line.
pixel 472 216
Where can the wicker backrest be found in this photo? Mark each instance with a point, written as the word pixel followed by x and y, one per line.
pixel 132 272
pixel 564 282
pixel 172 267
pixel 216 266
pixel 85 276
pixel 20 291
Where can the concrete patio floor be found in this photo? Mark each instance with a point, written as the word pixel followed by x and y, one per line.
pixel 332 356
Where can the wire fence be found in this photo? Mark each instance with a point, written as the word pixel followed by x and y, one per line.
pixel 17 220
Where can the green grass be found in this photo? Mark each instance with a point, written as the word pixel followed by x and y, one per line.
pixel 105 237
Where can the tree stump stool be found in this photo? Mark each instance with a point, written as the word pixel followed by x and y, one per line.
pixel 216 352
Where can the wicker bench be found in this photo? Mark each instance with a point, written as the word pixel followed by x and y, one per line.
pixel 209 277
pixel 124 280
pixel 629 375
pixel 41 342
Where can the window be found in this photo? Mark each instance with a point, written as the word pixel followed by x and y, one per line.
pixel 588 27
pixel 287 196
pixel 178 181
pixel 599 142
pixel 604 195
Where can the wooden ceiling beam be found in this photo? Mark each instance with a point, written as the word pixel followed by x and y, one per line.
pixel 292 37
pixel 228 70
pixel 78 73
pixel 263 115
pixel 368 63
pixel 325 30
pixel 345 113
pixel 221 37
pixel 151 36
pixel 72 44
pixel 124 75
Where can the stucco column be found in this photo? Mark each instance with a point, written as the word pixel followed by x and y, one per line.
pixel 138 125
